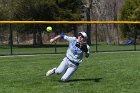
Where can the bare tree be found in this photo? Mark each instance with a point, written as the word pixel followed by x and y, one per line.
pixel 116 36
pixel 100 14
pixel 106 10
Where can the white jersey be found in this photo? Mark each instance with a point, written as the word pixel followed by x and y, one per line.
pixel 73 52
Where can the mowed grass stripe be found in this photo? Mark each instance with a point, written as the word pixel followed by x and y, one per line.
pixel 101 73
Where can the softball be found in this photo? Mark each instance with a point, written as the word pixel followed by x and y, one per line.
pixel 49 29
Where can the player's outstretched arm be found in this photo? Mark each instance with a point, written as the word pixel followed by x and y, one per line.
pixel 55 38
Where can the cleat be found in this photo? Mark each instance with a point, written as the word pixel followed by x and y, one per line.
pixel 50 72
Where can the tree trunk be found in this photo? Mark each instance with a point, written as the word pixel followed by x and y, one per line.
pixel 107 35
pixel 39 38
pixel 17 37
pixel 34 35
pixel 75 30
pixel 88 18
pixel 116 36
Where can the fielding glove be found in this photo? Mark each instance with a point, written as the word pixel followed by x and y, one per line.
pixel 84 47
pixel 86 55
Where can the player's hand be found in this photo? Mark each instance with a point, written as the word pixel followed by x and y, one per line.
pixel 52 40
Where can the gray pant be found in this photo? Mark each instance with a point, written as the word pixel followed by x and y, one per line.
pixel 66 67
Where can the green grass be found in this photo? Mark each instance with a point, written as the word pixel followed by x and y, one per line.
pixel 50 49
pixel 105 47
pixel 101 73
pixel 30 49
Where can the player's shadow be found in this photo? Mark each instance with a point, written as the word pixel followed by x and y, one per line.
pixel 86 79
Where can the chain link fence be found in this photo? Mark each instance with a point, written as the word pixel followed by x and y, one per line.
pixel 27 39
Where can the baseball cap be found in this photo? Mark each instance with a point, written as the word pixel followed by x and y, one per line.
pixel 84 35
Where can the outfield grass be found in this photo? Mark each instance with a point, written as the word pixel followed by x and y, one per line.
pixel 101 73
pixel 105 47
pixel 51 49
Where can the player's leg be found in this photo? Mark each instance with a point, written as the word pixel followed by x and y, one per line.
pixel 61 68
pixel 69 73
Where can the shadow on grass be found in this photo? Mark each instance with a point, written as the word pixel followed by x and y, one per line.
pixel 86 79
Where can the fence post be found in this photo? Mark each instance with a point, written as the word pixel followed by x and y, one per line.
pixel 134 39
pixel 55 46
pixel 11 40
pixel 96 38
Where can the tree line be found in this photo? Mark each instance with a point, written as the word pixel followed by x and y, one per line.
pixel 35 10
pixel 130 11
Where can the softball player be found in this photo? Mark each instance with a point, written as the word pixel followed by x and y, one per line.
pixel 77 48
